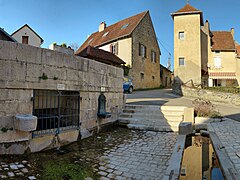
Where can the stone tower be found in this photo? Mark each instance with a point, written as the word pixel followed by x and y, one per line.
pixel 187 45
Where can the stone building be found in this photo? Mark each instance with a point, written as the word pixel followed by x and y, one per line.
pixel 26 35
pixel 166 76
pixel 50 98
pixel 134 41
pixel 202 56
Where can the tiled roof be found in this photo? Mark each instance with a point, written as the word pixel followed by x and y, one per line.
pixel 222 40
pixel 238 50
pixel 100 55
pixel 188 9
pixel 118 30
pixel 9 37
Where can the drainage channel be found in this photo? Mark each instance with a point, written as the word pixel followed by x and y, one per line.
pixel 199 160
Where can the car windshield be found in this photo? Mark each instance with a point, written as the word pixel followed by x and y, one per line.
pixel 127 80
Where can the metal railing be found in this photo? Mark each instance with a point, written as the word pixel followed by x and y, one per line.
pixel 56 111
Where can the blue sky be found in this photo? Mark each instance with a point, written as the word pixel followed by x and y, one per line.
pixel 71 21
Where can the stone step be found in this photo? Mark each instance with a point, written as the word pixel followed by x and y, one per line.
pixel 151 128
pixel 177 113
pixel 173 108
pixel 149 107
pixel 145 115
pixel 141 111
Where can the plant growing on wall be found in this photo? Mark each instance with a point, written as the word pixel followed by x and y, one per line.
pixel 126 69
pixel 55 78
pixel 43 77
pixel 64 45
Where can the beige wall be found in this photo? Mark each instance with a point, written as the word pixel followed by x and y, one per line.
pixel 189 48
pixel 145 34
pixel 33 39
pixel 124 50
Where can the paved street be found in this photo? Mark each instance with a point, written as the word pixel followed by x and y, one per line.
pixel 146 156
pixel 228 134
pixel 167 98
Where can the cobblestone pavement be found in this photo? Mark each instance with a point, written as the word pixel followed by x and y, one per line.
pixel 116 154
pixel 146 156
pixel 228 132
pixel 16 170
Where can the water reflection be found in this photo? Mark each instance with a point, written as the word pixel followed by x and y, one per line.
pixel 199 160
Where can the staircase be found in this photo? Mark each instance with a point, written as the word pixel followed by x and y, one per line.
pixel 152 118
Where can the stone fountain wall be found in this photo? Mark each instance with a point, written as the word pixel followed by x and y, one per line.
pixel 20 68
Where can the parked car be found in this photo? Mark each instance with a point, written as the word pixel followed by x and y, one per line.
pixel 127 85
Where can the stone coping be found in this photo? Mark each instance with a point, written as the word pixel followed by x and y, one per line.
pixel 173 170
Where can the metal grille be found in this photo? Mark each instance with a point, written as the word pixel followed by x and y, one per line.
pixel 56 111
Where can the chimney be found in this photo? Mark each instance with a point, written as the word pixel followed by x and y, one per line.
pixel 102 26
pixel 232 32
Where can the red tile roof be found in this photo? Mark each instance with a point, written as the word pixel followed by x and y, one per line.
pixel 113 32
pixel 222 40
pixel 188 9
pixel 101 56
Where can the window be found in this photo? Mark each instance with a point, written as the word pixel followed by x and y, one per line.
pixel 153 77
pixel 217 62
pixel 25 39
pixel 181 35
pixel 114 48
pixel 181 61
pixel 142 75
pixel 56 110
pixel 124 26
pixel 153 57
pixel 217 52
pixel 142 50
pixel 105 34
pixel 90 41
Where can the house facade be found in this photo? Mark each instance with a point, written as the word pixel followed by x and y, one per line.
pixel 26 35
pixel 134 41
pixel 202 56
pixel 166 76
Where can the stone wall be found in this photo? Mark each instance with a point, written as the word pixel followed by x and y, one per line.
pixel 209 95
pixel 22 65
pixel 145 34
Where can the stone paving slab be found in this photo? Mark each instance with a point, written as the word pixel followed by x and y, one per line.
pixel 228 133
pixel 146 156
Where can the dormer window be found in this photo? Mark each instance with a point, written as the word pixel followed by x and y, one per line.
pixel 105 34
pixel 124 26
pixel 90 41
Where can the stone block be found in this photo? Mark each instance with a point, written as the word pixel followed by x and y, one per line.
pixel 26 53
pixel 14 136
pixel 6 121
pixel 189 115
pixel 16 148
pixel 41 143
pixel 185 128
pixel 85 133
pixel 25 122
pixel 68 137
pixel 202 126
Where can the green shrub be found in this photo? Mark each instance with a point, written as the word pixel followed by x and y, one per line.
pixel 62 171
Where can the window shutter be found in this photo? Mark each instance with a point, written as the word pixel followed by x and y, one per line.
pixel 116 48
pixel 145 52
pixel 110 48
pixel 139 49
